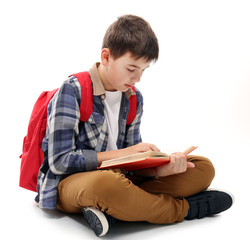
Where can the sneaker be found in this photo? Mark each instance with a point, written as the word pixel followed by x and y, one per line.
pixel 100 222
pixel 207 203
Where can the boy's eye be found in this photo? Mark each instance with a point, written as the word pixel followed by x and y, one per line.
pixel 131 70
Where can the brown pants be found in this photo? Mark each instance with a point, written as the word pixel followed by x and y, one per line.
pixel 160 200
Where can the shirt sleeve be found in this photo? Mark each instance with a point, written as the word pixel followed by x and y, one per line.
pixel 133 135
pixel 62 131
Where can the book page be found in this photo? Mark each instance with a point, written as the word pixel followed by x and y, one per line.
pixel 135 157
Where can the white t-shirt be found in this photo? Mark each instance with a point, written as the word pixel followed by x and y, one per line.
pixel 112 105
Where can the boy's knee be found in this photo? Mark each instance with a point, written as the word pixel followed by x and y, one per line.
pixel 86 189
pixel 206 168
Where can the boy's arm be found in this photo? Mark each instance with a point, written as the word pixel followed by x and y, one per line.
pixel 138 148
pixel 62 129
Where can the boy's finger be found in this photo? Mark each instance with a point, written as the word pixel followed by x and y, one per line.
pixel 190 165
pixel 154 148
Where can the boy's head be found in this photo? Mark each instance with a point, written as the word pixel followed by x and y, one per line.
pixel 129 46
pixel 131 34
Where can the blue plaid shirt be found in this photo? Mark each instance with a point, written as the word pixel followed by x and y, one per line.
pixel 70 146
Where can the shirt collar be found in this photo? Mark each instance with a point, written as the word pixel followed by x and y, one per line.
pixel 98 88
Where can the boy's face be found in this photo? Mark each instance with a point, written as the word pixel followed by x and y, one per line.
pixel 122 73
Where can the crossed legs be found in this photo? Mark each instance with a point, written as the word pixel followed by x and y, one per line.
pixel 160 200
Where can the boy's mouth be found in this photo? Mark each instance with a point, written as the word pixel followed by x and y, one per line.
pixel 128 86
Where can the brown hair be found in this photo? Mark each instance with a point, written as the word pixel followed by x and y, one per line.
pixel 133 34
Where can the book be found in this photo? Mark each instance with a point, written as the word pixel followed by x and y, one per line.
pixel 141 160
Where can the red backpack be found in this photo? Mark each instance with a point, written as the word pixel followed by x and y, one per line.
pixel 32 154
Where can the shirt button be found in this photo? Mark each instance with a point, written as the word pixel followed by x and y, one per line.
pixel 103 97
pixel 90 120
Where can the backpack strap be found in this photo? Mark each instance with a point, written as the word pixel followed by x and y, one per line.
pixel 86 105
pixel 132 108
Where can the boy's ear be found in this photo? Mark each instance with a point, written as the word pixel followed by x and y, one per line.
pixel 105 56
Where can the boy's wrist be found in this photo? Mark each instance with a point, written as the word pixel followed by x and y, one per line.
pixel 104 156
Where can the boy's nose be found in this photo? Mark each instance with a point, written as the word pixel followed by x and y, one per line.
pixel 136 78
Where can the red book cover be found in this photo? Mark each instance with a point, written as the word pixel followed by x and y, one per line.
pixel 140 164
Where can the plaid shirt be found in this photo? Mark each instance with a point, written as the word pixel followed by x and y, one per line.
pixel 70 146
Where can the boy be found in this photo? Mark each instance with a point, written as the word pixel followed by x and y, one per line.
pixel 69 180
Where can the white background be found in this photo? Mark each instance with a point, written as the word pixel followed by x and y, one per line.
pixel 198 93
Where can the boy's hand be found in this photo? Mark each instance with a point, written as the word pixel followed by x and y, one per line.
pixel 140 148
pixel 178 164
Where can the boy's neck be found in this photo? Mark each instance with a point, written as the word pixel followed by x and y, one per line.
pixel 103 77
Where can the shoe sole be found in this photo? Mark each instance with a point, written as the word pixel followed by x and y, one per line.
pixel 94 217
